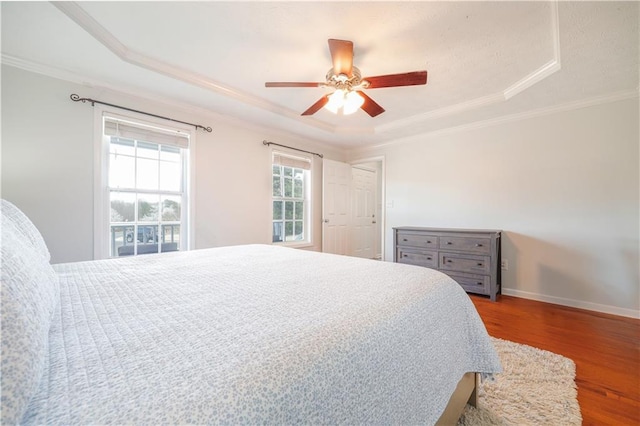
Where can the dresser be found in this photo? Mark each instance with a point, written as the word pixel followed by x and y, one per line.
pixel 470 256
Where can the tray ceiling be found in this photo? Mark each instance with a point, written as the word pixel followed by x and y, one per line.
pixel 485 59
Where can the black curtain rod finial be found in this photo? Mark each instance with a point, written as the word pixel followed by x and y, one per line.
pixel 77 98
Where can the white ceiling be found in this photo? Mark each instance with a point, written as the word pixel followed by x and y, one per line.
pixel 485 60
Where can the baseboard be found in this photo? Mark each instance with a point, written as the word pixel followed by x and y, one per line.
pixel 607 309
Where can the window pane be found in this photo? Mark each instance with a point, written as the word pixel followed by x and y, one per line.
pixel 277 232
pixel 297 188
pixel 298 230
pixel 277 186
pixel 277 210
pixel 148 150
pixel 147 234
pixel 130 232
pixel 288 187
pixel 288 229
pixel 147 241
pixel 121 146
pixel 288 210
pixel 170 153
pixel 170 176
pixel 147 174
pixel 171 208
pixel 152 178
pixel 170 238
pixel 121 240
pixel 299 212
pixel 148 208
pixel 123 206
pixel 122 171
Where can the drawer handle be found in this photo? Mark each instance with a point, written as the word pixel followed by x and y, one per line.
pixel 449 243
pixel 428 242
pixel 428 258
pixel 479 264
pixel 479 283
pixel 478 245
pixel 449 261
pixel 405 255
pixel 404 239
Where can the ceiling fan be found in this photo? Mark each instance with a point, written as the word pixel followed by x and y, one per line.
pixel 346 79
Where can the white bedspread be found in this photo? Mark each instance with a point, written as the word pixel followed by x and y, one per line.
pixel 256 334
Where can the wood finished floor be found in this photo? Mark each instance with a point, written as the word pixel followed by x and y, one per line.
pixel 605 348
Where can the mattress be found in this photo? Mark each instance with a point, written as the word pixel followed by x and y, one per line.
pixel 256 334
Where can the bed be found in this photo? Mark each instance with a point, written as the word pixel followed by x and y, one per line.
pixel 254 334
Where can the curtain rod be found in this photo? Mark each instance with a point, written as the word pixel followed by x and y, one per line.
pixel 290 147
pixel 77 98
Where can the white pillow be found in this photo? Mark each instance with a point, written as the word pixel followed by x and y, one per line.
pixel 26 227
pixel 30 295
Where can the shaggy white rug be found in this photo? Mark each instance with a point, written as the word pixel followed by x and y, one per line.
pixel 536 387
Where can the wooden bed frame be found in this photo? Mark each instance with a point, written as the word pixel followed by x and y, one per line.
pixel 465 393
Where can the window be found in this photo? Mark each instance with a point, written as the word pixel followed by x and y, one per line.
pixel 147 169
pixel 291 194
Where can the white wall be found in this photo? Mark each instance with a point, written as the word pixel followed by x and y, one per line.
pixel 48 166
pixel 47 160
pixel 563 187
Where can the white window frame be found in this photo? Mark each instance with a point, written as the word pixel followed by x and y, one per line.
pixel 102 215
pixel 308 203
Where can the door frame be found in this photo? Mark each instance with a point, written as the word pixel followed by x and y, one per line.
pixel 383 214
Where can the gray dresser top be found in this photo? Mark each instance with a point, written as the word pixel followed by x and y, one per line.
pixel 417 228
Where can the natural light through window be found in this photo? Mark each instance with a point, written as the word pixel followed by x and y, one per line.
pixel 291 189
pixel 146 186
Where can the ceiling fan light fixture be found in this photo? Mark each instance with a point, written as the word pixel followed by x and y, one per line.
pixel 348 85
pixel 336 101
pixel 352 102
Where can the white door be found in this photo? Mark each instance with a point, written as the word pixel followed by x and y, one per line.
pixel 363 208
pixel 336 179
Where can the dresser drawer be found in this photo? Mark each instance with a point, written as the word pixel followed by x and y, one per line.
pixel 479 284
pixel 467 244
pixel 417 240
pixel 470 256
pixel 417 257
pixel 465 263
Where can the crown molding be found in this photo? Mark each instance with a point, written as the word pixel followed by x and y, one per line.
pixel 521 85
pixel 75 12
pixel 191 109
pixel 187 108
pixel 108 40
pixel 47 70
pixel 547 69
pixel 538 75
pixel 99 85
pixel 441 112
pixel 568 106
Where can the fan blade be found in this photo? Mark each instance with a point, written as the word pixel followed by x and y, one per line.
pixel 293 84
pixel 316 107
pixel 370 106
pixel 393 80
pixel 341 56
